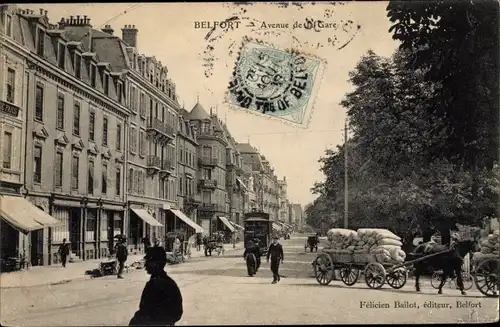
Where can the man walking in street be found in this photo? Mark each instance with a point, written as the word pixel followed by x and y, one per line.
pixel 275 251
pixel 64 252
pixel 161 300
pixel 121 255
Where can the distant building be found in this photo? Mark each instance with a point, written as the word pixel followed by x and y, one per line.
pixel 283 200
pixel 298 215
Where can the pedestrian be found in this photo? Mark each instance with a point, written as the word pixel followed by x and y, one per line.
pixel 64 252
pixel 254 249
pixel 161 300
pixel 121 256
pixel 147 243
pixel 275 251
pixel 198 241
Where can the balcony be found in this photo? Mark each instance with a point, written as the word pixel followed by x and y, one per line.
pixel 160 131
pixel 209 162
pixel 193 200
pixel 167 168
pixel 208 183
pixel 209 135
pixel 153 164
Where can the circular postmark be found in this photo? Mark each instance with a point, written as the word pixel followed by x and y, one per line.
pixel 272 81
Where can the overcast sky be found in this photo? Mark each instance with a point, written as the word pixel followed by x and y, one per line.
pixel 167 31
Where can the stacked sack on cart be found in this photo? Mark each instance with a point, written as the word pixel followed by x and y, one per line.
pixel 492 244
pixel 365 245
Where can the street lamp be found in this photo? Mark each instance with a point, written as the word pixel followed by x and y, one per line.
pixel 346 196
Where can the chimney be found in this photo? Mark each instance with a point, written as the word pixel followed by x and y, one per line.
pixel 129 35
pixel 71 21
pixel 107 29
pixel 41 11
pixel 46 13
pixel 78 22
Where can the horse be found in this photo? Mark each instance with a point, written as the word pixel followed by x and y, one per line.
pixel 449 262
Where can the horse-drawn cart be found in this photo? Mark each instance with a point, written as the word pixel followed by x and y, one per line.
pixel 352 265
pixel 487 275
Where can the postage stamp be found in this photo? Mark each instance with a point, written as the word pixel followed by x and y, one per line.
pixel 274 82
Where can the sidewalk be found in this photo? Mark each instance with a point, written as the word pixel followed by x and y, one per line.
pixel 56 274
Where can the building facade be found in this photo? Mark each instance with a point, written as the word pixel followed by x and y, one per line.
pixel 298 215
pixel 283 200
pixel 187 167
pixel 150 95
pixel 12 115
pixel 211 168
pixel 74 141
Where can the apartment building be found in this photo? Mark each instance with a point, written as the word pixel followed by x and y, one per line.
pixel 74 140
pixel 283 200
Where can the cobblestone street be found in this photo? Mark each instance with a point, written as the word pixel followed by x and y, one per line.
pixel 216 290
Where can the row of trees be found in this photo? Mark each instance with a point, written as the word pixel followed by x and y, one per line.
pixel 424 124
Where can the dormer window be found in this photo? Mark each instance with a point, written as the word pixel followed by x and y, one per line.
pixel 106 83
pixel 61 55
pixel 119 89
pixel 40 42
pixel 93 74
pixel 8 25
pixel 78 65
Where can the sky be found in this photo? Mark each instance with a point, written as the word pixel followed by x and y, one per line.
pixel 201 66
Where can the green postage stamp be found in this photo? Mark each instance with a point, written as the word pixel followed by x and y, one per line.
pixel 275 83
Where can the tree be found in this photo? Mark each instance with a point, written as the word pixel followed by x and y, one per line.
pixel 457 44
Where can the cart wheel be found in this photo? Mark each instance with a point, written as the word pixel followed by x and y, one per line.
pixel 436 279
pixel 349 275
pixel 486 277
pixel 467 280
pixel 397 278
pixel 374 275
pixel 323 269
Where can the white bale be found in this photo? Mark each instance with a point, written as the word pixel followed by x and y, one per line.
pixel 389 241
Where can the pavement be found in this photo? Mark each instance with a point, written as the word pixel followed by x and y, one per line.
pixel 56 274
pixel 217 290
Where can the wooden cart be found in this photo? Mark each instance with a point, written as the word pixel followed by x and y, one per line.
pixel 375 273
pixel 487 275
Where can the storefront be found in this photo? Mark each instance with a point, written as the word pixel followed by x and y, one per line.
pixel 24 230
pixel 177 219
pixel 141 223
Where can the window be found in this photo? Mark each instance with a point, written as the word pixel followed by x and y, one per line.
pixel 40 46
pixel 61 53
pixel 39 103
pixel 119 91
pixel 130 185
pixel 180 185
pixel 7 150
pixel 11 85
pixel 91 126
pixel 118 180
pixel 93 75
pixel 75 162
pixel 90 181
pixel 60 112
pixel 76 119
pixel 58 176
pixel 78 65
pixel 118 137
pixel 133 140
pixel 142 105
pixel 106 84
pixel 104 184
pixel 37 164
pixel 8 25
pixel 105 131
pixel 132 99
pixel 137 182
pixel 142 143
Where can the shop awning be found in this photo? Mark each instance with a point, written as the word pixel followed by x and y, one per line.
pixel 23 215
pixel 241 183
pixel 187 220
pixel 144 215
pixel 237 226
pixel 227 223
pixel 276 226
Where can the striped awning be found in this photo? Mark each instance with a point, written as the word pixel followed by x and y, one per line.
pixel 227 223
pixel 237 226
pixel 23 215
pixel 187 220
pixel 276 226
pixel 144 215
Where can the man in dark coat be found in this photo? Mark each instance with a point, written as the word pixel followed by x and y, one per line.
pixel 252 248
pixel 275 251
pixel 64 252
pixel 161 300
pixel 121 255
